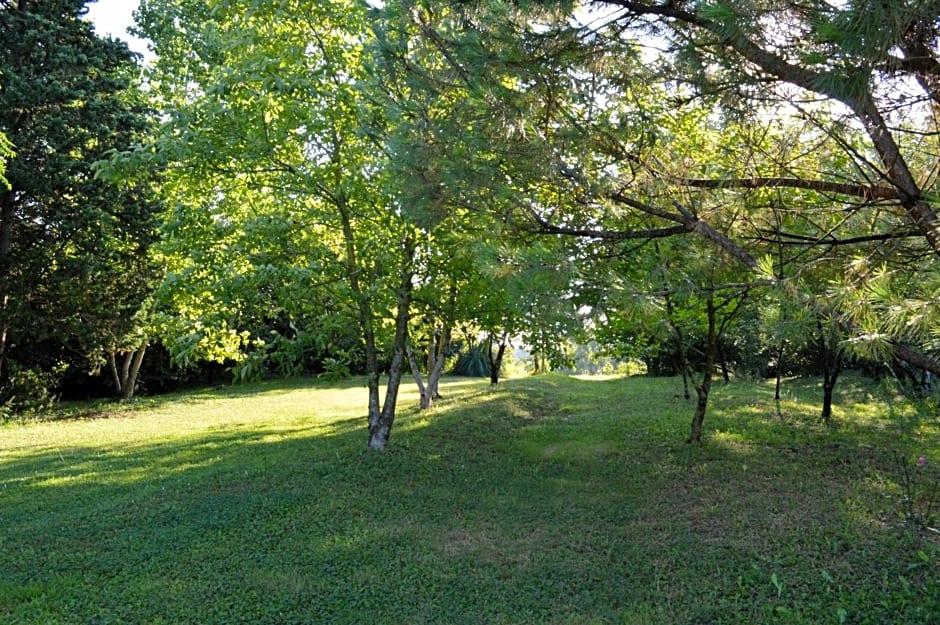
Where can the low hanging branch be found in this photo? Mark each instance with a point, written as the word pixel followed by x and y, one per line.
pixel 829 83
pixel 899 351
pixel 866 192
pixel 689 222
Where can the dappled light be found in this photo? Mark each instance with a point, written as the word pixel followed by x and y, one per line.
pixel 457 313
pixel 532 502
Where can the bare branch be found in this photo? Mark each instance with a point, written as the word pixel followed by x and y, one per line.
pixel 810 241
pixel 866 192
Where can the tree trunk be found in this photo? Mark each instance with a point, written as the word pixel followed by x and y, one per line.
pixel 832 367
pixel 437 351
pixel 831 374
pixel 363 313
pixel 125 378
pixel 684 365
pixel 828 387
pixel 380 424
pixel 779 372
pixel 419 379
pixel 724 365
pixel 496 362
pixel 380 429
pixel 130 380
pixel 115 376
pixel 703 388
pixel 126 370
pixel 3 347
pixel 6 224
pixel 6 244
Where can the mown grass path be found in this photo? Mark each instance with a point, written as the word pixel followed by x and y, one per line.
pixel 546 500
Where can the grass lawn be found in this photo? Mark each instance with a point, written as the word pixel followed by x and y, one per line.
pixel 548 500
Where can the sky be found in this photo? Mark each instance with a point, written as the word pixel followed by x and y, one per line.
pixel 113 17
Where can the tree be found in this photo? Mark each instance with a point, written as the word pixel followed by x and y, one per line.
pixel 74 263
pixel 601 140
pixel 781 200
pixel 848 54
pixel 875 65
pixel 450 73
pixel 267 125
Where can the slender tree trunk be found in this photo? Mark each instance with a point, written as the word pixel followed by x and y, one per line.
pixel 436 354
pixel 7 212
pixel 437 348
pixel 684 365
pixel 829 384
pixel 703 388
pixel 380 428
pixel 115 375
pixel 3 346
pixel 434 381
pixel 724 365
pixel 777 382
pixel 832 367
pixel 125 378
pixel 496 362
pixel 126 369
pixel 419 379
pixel 6 224
pixel 698 418
pixel 130 380
pixel 779 372
pixel 363 311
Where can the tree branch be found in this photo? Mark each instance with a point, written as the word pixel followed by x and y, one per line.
pixel 866 192
pixel 810 241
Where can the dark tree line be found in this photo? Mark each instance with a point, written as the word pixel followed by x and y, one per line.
pixel 74 249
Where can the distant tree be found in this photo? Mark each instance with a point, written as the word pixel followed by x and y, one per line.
pixel 74 262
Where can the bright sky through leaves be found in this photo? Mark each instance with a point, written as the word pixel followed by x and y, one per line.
pixel 114 17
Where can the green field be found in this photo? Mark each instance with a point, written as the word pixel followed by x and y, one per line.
pixel 547 500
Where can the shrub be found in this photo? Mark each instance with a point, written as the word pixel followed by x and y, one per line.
pixel 30 390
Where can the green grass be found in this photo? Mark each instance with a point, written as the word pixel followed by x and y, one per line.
pixel 547 500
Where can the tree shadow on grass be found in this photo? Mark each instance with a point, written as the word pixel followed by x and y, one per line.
pixel 537 502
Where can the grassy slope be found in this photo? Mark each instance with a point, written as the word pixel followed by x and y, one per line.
pixel 548 500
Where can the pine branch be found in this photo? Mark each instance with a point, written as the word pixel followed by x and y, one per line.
pixel 866 192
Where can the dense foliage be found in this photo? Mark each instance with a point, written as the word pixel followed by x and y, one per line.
pixel 74 263
pixel 742 188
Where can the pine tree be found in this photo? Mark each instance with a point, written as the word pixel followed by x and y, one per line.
pixel 73 246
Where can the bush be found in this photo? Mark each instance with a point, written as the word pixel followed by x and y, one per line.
pixel 473 363
pixel 30 390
